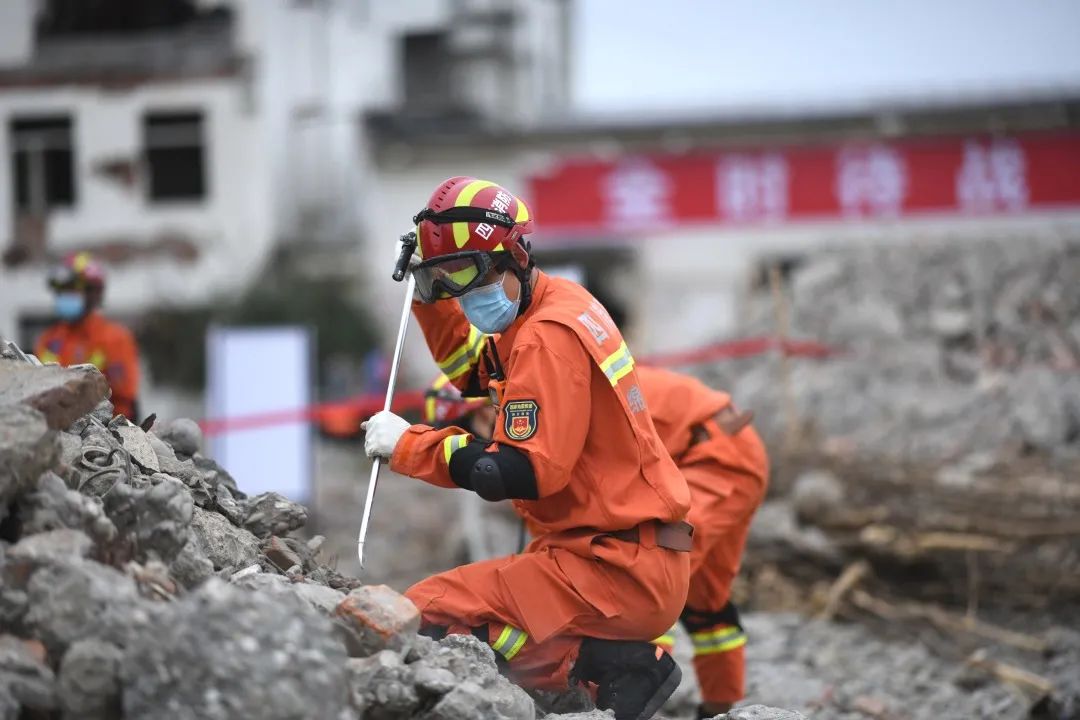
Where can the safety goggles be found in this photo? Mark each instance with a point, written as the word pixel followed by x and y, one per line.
pixel 450 276
pixel 63 278
pixel 453 275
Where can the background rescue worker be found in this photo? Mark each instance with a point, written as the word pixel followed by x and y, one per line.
pixel 574 449
pixel 444 406
pixel 83 335
pixel 727 469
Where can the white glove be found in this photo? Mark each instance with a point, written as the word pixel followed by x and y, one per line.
pixel 384 429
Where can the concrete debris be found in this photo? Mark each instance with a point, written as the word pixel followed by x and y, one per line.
pixel 169 463
pixel 53 506
pixel 469 659
pixel 226 545
pixel 62 395
pixel 272 514
pixel 227 505
pixel 951 432
pixel 469 700
pixel 291 664
pixel 74 600
pixel 34 551
pixel 952 348
pixel 25 679
pixel 191 566
pixel 572 701
pixel 382 686
pixel 453 679
pixel 833 671
pixel 89 681
pixel 136 442
pixel 103 412
pixel 215 475
pixel 318 597
pixel 184 436
pixel 761 712
pixel 27 448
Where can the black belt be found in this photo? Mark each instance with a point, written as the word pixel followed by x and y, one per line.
pixel 678 536
pixel 729 420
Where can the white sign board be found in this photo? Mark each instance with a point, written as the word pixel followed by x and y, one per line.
pixel 261 378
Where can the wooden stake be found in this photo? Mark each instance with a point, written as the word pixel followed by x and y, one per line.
pixel 848 579
pixel 945 620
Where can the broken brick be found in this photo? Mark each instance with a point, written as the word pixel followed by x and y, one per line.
pixel 380 619
pixel 281 554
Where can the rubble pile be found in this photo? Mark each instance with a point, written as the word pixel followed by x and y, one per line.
pixel 848 671
pixel 833 671
pixel 951 350
pixel 943 444
pixel 137 581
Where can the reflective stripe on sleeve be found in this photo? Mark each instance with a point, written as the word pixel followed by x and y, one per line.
pixel 461 360
pixel 452 444
pixel 618 364
pixel 510 641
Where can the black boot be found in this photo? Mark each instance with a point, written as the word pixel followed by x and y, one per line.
pixel 633 678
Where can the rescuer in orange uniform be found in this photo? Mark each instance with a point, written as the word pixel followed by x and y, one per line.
pixel 574 449
pixel 83 335
pixel 727 469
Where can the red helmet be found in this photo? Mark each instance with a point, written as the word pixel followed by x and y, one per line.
pixel 468 228
pixel 78 271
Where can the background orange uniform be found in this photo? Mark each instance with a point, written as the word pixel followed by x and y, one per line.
pixel 107 345
pixel 727 475
pixel 599 466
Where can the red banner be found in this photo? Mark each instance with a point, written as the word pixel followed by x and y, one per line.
pixel 879 180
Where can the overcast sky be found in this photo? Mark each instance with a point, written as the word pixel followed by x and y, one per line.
pixel 671 56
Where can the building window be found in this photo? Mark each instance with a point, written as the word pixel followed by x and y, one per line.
pixel 427 72
pixel 42 163
pixel 175 156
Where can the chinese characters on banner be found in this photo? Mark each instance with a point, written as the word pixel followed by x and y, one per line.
pixel 962 176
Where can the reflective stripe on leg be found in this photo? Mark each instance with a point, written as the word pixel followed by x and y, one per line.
pixel 718 639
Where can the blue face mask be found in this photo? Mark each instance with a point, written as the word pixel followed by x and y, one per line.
pixel 488 308
pixel 69 305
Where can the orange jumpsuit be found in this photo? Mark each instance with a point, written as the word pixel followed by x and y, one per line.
pixel 570 401
pixel 107 345
pixel 727 475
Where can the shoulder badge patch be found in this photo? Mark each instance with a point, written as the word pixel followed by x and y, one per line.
pixel 519 419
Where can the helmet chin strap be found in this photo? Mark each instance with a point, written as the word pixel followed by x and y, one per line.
pixel 522 267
